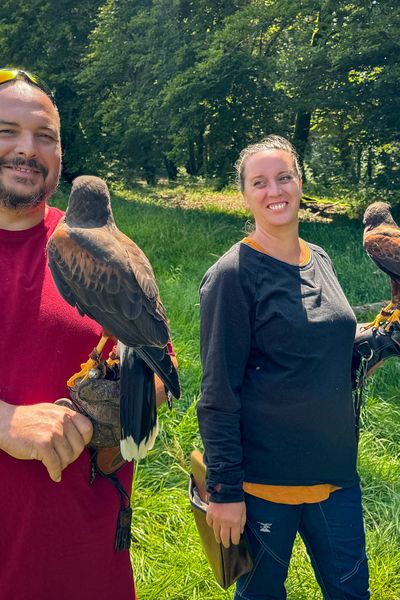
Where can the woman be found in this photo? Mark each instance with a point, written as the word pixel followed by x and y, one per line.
pixel 276 413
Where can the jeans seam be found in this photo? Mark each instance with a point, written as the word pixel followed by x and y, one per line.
pixel 355 569
pixel 315 566
pixel 324 590
pixel 266 547
pixel 253 570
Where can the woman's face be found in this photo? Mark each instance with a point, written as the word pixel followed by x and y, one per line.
pixel 272 189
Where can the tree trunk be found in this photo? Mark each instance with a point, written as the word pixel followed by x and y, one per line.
pixel 345 157
pixel 150 174
pixel 191 166
pixel 171 168
pixel 301 133
pixel 369 166
pixel 359 152
pixel 200 153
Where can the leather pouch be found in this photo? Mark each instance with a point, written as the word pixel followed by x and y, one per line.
pixel 227 564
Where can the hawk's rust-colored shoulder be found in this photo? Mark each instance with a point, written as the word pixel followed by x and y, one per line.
pixel 383 245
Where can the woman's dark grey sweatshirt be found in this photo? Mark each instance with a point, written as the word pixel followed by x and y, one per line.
pixel 276 344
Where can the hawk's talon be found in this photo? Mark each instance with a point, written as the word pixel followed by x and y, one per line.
pixel 83 374
pixel 95 362
pixel 385 318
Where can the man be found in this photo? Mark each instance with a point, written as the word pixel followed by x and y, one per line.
pixel 57 529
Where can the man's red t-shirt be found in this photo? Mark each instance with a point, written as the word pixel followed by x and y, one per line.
pixel 56 539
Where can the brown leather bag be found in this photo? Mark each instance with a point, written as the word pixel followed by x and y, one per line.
pixel 227 564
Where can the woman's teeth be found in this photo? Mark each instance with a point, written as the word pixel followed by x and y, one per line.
pixel 277 206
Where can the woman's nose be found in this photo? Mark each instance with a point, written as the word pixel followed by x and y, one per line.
pixel 274 188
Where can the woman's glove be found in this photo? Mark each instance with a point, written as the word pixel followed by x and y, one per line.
pixel 371 348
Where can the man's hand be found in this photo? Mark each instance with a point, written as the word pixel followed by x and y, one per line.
pixel 55 435
pixel 227 520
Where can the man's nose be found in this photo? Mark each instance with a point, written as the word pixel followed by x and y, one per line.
pixel 26 145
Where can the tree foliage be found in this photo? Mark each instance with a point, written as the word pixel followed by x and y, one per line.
pixel 49 38
pixel 148 87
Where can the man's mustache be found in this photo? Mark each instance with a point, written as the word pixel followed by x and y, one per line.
pixel 25 162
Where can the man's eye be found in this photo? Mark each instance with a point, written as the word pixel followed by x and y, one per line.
pixel 46 136
pixel 6 131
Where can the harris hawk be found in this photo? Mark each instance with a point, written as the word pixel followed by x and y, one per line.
pixel 381 241
pixel 106 276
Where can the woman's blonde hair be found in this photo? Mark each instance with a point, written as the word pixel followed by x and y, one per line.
pixel 271 142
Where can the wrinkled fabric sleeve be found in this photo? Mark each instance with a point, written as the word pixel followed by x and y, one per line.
pixel 225 332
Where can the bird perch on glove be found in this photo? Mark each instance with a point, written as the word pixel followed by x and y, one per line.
pixel 107 277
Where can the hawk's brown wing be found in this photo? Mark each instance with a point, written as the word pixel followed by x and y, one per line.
pixel 107 277
pixel 383 246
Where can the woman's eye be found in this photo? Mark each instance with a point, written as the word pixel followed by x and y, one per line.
pixel 285 178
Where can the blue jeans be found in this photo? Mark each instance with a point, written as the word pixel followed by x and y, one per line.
pixel 333 533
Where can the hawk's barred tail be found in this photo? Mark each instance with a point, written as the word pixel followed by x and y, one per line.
pixel 138 414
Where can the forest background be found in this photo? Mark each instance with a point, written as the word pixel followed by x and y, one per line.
pixel 159 97
pixel 151 89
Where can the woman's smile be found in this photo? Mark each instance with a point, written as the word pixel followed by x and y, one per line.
pixel 277 205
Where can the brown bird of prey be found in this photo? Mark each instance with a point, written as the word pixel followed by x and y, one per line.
pixel 106 276
pixel 382 244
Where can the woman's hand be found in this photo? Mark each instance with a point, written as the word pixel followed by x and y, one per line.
pixel 228 521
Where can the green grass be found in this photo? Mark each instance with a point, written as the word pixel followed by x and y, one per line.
pixel 183 231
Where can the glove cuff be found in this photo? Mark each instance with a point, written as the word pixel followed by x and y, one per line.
pixel 108 460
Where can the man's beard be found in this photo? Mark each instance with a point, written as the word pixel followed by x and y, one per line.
pixel 11 199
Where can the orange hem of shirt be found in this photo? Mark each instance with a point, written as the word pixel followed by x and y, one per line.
pixel 291 494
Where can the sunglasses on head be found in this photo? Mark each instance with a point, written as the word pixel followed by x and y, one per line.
pixel 11 74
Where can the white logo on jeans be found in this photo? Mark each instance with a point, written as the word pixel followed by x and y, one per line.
pixel 265 527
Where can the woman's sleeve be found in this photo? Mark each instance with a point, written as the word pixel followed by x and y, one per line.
pixel 224 348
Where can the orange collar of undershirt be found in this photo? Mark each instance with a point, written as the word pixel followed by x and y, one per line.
pixel 304 246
